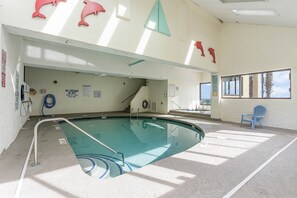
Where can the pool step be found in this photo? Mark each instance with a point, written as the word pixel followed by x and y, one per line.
pixel 102 166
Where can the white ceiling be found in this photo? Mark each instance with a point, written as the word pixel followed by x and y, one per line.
pixel 286 11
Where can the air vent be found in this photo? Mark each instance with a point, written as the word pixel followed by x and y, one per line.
pixel 241 1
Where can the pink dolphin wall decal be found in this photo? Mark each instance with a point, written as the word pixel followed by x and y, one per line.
pixel 212 53
pixel 40 3
pixel 199 46
pixel 90 8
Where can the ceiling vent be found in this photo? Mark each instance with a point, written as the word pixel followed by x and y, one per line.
pixel 241 1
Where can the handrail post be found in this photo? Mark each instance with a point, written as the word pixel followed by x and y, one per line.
pixel 73 125
pixel 131 113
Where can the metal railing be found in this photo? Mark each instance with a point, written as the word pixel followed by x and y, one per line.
pixel 131 113
pixel 81 130
pixel 129 96
pixel 176 104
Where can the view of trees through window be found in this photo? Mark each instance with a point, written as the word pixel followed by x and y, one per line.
pixel 272 84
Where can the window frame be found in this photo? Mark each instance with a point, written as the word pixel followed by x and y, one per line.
pixel 201 89
pixel 262 84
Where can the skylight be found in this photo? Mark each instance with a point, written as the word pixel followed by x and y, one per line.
pixel 255 12
pixel 241 1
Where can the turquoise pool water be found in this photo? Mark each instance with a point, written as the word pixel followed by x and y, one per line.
pixel 142 141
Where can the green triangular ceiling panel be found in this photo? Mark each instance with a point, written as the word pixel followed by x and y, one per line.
pixel 152 21
pixel 157 20
pixel 163 26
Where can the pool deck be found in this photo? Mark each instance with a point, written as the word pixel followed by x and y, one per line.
pixel 227 156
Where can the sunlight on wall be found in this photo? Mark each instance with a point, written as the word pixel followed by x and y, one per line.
pixel 145 38
pixel 12 82
pixel 75 60
pixel 190 53
pixel 34 52
pixel 54 56
pixel 109 30
pixel 60 17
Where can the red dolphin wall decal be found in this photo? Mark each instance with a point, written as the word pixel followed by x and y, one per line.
pixel 199 46
pixel 212 53
pixel 90 8
pixel 40 3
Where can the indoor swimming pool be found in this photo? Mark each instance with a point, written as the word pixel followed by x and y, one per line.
pixel 141 140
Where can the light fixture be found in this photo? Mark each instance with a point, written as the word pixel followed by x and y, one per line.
pixel 242 1
pixel 255 12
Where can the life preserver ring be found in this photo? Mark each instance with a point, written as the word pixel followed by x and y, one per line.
pixel 145 104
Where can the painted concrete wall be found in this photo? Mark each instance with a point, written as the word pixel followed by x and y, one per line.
pixel 187 90
pixel 10 119
pixel 158 93
pixel 136 102
pixel 106 30
pixel 113 91
pixel 255 48
pixel 69 58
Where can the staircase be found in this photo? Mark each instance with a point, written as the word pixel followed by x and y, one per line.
pixel 102 166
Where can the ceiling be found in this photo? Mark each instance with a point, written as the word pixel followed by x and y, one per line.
pixel 286 11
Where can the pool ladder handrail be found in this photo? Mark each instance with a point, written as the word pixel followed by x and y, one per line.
pixel 131 112
pixel 137 114
pixel 73 125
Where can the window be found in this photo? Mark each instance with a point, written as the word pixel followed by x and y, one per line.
pixel 272 84
pixel 205 92
pixel 231 86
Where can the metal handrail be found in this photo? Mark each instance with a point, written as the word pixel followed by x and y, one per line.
pixel 137 113
pixel 131 113
pixel 129 96
pixel 176 104
pixel 81 130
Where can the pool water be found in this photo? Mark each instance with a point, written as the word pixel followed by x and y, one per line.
pixel 143 141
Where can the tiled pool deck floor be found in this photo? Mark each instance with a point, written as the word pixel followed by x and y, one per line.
pixel 227 155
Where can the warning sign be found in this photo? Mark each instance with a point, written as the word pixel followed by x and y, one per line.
pixel 3 70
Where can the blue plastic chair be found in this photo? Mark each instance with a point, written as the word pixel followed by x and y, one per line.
pixel 255 118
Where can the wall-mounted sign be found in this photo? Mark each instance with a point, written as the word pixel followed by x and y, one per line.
pixel 90 8
pixel 3 70
pixel 97 94
pixel 72 93
pixel 86 90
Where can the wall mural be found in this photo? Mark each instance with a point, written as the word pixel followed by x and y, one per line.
pixel 40 3
pixel 90 8
pixel 199 46
pixel 212 53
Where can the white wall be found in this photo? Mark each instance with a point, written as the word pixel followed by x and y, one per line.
pixel 113 91
pixel 187 89
pixel 158 92
pixel 136 103
pixel 69 58
pixel 256 48
pixel 106 30
pixel 10 119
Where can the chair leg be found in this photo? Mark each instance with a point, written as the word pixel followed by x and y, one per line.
pixel 253 125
